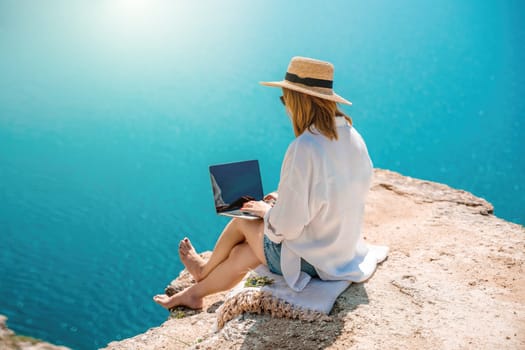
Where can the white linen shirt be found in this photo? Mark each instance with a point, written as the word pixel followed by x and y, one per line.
pixel 319 211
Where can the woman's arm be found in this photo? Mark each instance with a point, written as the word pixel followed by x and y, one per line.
pixel 291 213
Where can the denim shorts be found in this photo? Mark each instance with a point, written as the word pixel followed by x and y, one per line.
pixel 272 252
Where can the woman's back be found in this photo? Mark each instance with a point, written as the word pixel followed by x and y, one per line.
pixel 321 199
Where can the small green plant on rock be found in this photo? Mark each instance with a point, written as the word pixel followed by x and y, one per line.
pixel 258 281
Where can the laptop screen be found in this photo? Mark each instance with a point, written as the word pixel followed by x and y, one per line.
pixel 234 184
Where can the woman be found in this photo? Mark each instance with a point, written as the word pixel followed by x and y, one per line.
pixel 314 227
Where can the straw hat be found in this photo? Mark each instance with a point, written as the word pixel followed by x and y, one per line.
pixel 311 77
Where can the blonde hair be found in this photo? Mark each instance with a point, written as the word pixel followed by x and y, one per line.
pixel 308 111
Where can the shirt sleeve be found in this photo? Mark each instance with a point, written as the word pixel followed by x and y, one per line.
pixel 290 214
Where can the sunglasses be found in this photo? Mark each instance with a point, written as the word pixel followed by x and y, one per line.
pixel 282 100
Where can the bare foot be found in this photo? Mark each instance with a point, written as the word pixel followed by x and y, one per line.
pixel 191 260
pixel 183 298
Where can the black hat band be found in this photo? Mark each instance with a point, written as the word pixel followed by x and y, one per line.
pixel 294 78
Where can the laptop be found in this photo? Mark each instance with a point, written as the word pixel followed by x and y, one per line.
pixel 233 184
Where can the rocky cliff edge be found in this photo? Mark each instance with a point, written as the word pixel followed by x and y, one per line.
pixel 454 279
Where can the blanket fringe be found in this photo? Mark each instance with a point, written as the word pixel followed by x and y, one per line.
pixel 261 302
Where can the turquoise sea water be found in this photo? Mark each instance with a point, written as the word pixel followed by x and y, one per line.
pixel 111 112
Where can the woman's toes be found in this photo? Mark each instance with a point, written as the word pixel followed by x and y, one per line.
pixel 185 246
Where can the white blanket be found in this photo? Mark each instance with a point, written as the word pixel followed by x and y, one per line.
pixel 318 295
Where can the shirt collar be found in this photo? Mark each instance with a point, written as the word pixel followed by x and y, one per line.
pixel 340 121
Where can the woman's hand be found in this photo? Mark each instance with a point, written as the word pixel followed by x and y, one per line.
pixel 258 208
pixel 270 198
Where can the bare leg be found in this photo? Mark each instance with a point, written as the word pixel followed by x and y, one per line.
pixel 237 231
pixel 225 276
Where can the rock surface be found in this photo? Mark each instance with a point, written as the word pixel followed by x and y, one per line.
pixel 454 279
pixel 10 341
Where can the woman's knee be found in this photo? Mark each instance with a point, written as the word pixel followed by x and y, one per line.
pixel 236 224
pixel 243 226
